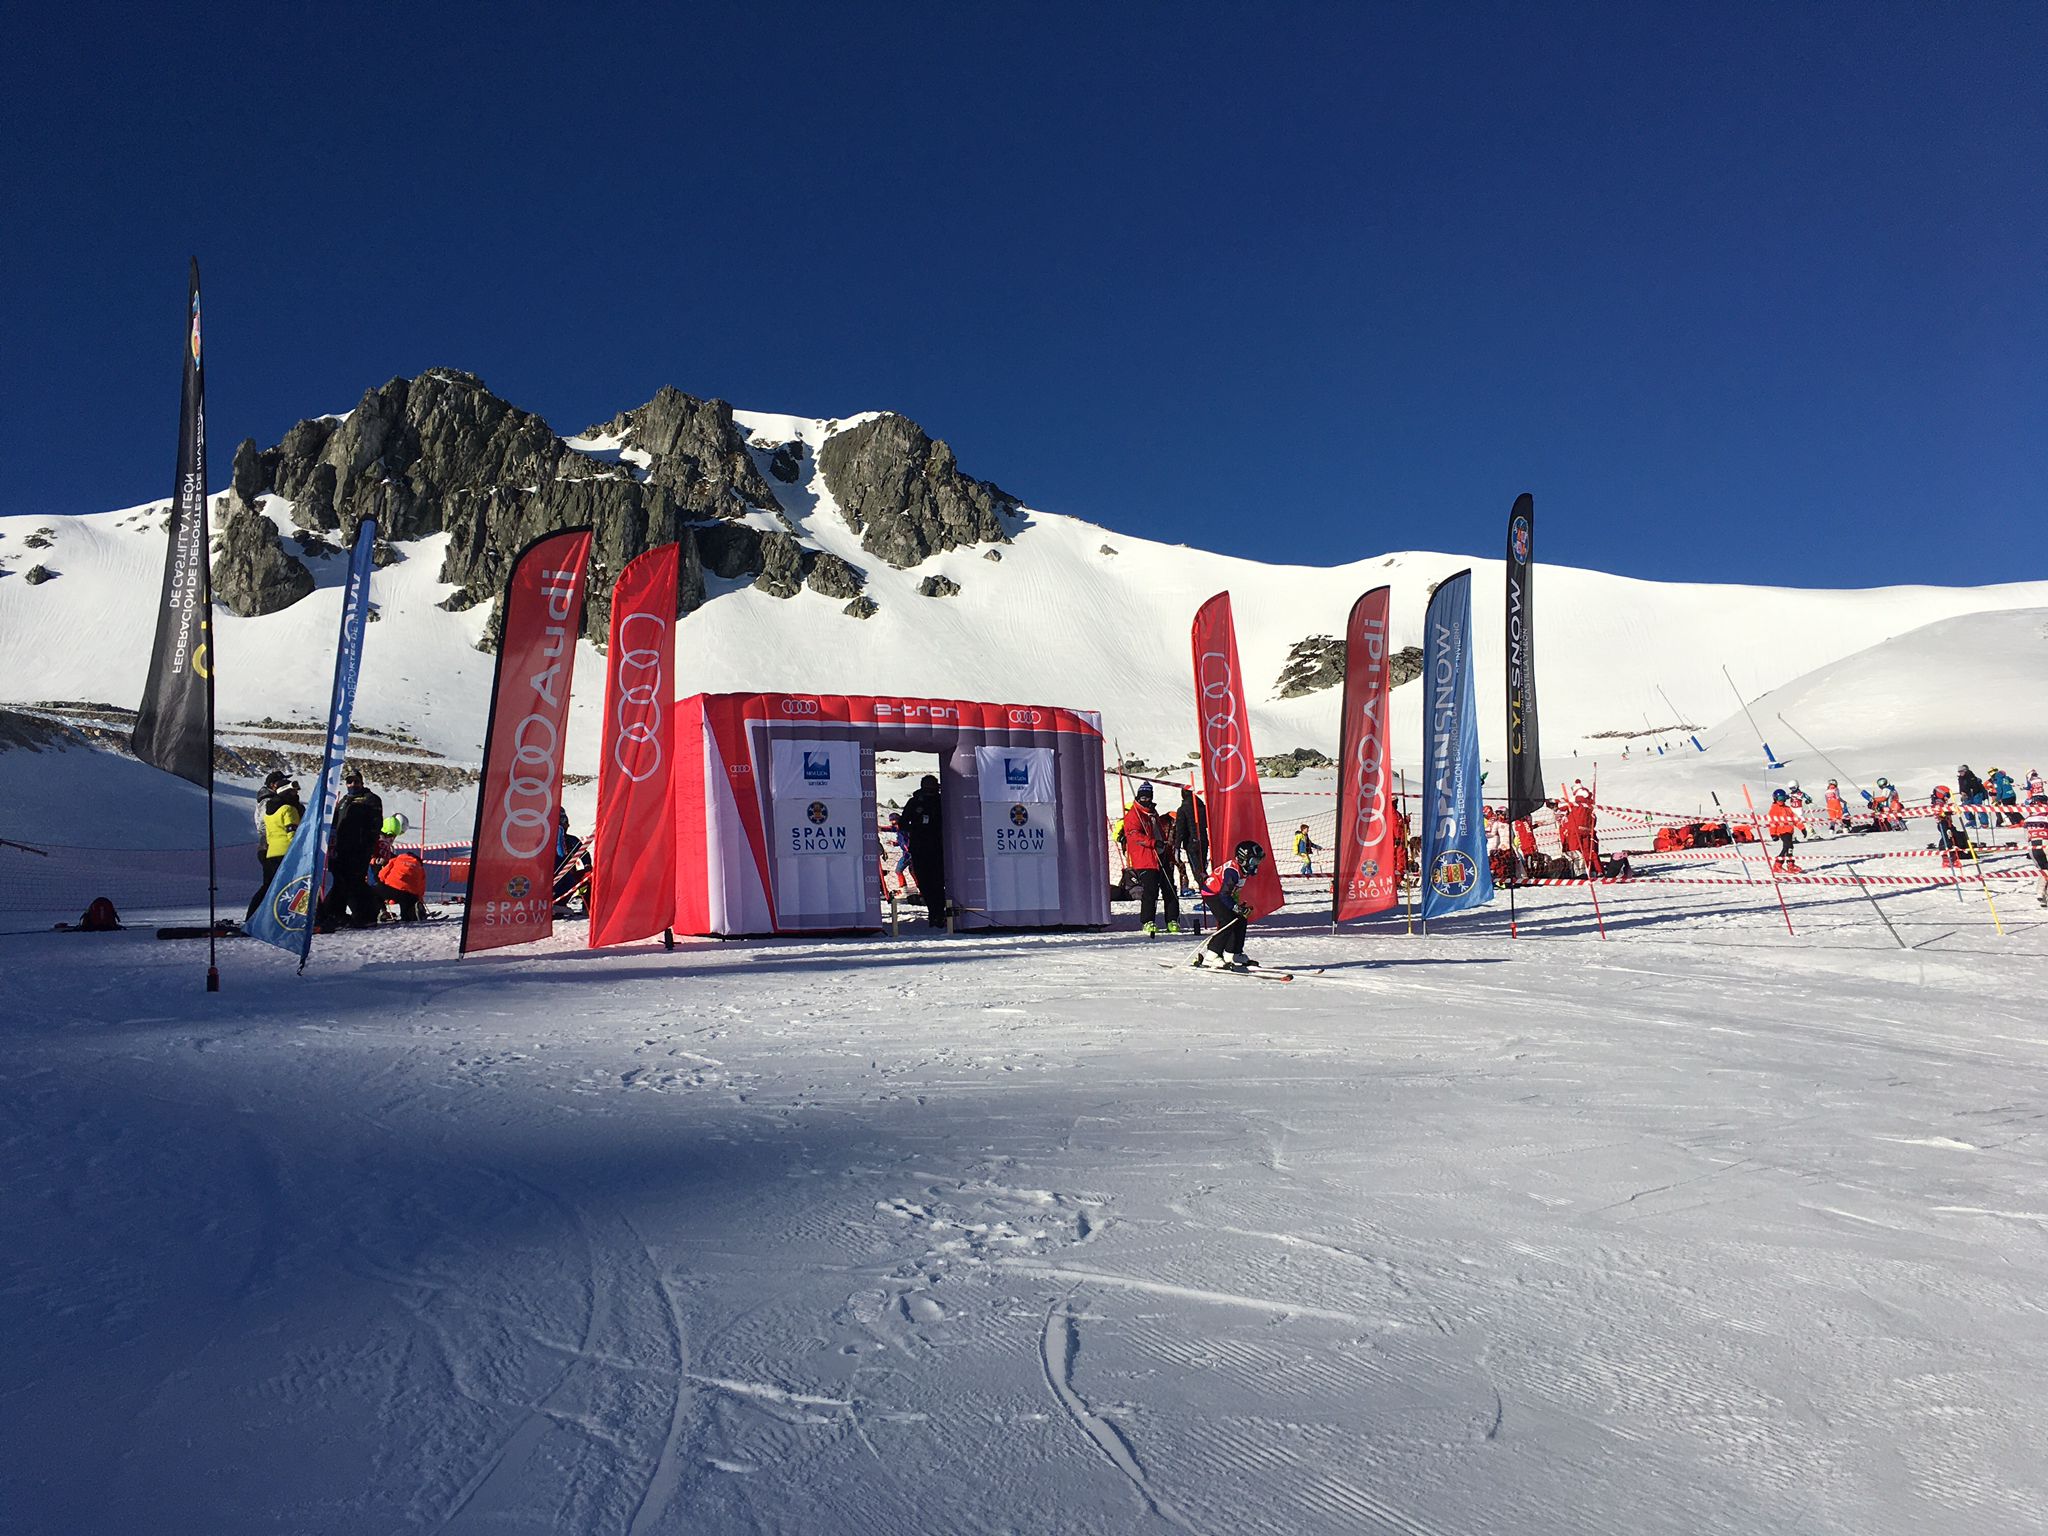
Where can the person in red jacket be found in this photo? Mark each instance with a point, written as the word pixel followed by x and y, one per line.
pixel 1143 844
pixel 1782 822
pixel 1838 813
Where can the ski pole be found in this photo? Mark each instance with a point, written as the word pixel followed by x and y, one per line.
pixel 1773 866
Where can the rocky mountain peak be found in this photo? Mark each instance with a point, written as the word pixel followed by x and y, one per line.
pixel 904 494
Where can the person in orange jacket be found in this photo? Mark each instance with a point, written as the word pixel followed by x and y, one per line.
pixel 1837 811
pixel 1782 822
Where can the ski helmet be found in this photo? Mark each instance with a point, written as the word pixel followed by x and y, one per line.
pixel 1883 783
pixel 394 826
pixel 1778 794
pixel 1249 856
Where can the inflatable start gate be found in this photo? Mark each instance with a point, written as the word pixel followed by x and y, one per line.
pixel 776 811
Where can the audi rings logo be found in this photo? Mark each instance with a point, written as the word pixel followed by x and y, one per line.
pixel 637 674
pixel 1025 717
pixel 799 706
pixel 528 804
pixel 1222 751
pixel 1369 789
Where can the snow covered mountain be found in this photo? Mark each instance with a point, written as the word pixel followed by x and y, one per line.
pixel 967 592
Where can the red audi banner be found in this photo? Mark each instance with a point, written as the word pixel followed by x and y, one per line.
pixel 1230 774
pixel 1368 871
pixel 519 793
pixel 633 869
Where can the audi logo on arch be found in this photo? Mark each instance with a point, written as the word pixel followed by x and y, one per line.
pixel 638 673
pixel 1025 717
pixel 799 706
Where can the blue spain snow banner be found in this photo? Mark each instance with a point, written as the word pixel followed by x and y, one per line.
pixel 285 916
pixel 1455 873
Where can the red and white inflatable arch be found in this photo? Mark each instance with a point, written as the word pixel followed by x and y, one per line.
pixel 775 811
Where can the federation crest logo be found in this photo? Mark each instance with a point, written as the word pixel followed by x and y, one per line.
pixel 290 906
pixel 1369 869
pixel 517 887
pixel 1518 539
pixel 817 813
pixel 1454 873
pixel 1019 816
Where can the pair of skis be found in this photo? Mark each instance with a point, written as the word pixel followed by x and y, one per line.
pixel 1260 972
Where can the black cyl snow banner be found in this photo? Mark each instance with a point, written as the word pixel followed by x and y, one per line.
pixel 1525 763
pixel 174 728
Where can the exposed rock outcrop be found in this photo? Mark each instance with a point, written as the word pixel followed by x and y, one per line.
pixel 1318 662
pixel 938 586
pixel 904 494
pixel 252 573
pixel 863 607
pixel 696 452
pixel 833 577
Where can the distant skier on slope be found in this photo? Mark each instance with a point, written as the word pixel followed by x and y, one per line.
pixel 1223 893
pixel 1143 845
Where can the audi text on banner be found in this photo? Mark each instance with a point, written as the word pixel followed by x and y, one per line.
pixel 1368 863
pixel 519 795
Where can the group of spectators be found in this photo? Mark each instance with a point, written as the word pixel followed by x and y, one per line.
pixel 365 867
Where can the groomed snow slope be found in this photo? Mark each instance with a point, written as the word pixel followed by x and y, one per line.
pixel 1702 1231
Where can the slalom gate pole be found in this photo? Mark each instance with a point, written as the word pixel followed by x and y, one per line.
pixel 212 872
pixel 1882 917
pixel 1404 853
pixel 1816 751
pixel 1769 760
pixel 1772 866
pixel 1987 889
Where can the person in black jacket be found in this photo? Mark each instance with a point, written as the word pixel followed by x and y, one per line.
pixel 358 823
pixel 923 836
pixel 1191 832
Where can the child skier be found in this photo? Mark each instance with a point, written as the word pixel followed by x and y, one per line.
pixel 1223 894
pixel 1782 822
pixel 1838 813
pixel 2036 826
pixel 1305 849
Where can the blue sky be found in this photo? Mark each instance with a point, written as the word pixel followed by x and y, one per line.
pixel 1755 291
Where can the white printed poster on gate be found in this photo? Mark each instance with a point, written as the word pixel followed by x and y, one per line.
pixel 1019 828
pixel 824 850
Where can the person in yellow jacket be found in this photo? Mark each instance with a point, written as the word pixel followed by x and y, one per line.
pixel 278 813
